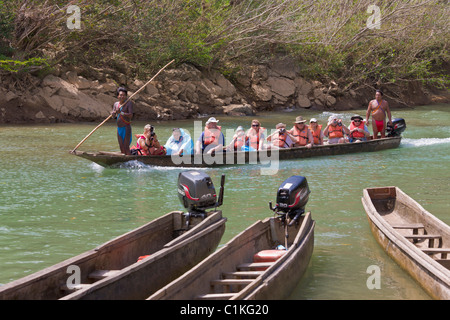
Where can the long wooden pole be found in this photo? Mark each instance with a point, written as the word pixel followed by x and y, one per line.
pixel 110 116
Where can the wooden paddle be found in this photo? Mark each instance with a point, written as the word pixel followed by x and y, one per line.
pixel 110 116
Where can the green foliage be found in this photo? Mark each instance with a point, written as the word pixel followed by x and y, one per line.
pixel 27 66
pixel 329 39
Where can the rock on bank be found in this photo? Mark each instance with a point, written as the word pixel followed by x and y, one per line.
pixel 181 93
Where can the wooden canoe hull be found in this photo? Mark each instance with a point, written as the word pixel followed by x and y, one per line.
pixel 388 209
pixel 276 282
pixel 108 159
pixel 159 238
pixel 280 283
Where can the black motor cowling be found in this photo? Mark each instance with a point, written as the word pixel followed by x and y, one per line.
pixel 292 196
pixel 398 126
pixel 197 193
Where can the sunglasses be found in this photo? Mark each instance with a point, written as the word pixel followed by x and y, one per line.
pixel 357 120
pixel 255 125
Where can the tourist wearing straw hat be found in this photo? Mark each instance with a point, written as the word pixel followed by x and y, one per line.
pixel 302 135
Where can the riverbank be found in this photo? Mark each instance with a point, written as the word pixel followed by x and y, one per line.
pixel 87 94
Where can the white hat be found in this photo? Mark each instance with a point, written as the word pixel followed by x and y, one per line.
pixel 212 119
pixel 334 116
pixel 313 120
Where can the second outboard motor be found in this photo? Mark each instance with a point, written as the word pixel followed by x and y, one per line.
pixel 398 126
pixel 292 196
pixel 197 193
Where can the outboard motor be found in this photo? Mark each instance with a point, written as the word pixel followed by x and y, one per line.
pixel 292 196
pixel 197 193
pixel 398 126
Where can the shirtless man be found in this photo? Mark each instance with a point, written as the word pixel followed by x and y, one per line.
pixel 378 108
pixel 123 113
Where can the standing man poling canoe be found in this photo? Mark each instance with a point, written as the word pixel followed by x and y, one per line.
pixel 378 108
pixel 123 112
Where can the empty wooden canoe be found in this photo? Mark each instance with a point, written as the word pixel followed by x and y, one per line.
pixel 233 272
pixel 131 266
pixel 413 237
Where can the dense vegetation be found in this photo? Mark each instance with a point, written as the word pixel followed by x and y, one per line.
pixel 331 40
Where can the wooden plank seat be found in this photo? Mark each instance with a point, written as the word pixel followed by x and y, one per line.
pixel 408 226
pixel 101 274
pixel 414 226
pixel 216 296
pixel 254 265
pixel 240 274
pixel 442 251
pixel 429 237
pixel 80 286
pixel 95 275
pixel 423 236
pixel 231 282
pixel 235 281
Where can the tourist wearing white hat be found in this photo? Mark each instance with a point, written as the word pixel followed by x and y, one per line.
pixel 212 139
pixel 335 130
pixel 316 130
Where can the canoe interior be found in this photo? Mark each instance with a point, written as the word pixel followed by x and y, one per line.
pixel 113 255
pixel 409 219
pixel 111 159
pixel 224 263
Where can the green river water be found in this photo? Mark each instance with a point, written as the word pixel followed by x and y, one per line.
pixel 54 205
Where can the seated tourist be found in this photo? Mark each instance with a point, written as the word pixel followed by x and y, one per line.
pixel 255 136
pixel 358 129
pixel 335 130
pixel 280 138
pixel 147 143
pixel 301 135
pixel 239 141
pixel 179 143
pixel 212 139
pixel 316 131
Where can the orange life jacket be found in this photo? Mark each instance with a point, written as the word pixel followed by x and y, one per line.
pixel 144 152
pixel 335 132
pixel 301 137
pixel 316 134
pixel 279 140
pixel 254 138
pixel 211 136
pixel 357 134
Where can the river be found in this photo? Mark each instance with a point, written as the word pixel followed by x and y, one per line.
pixel 54 205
